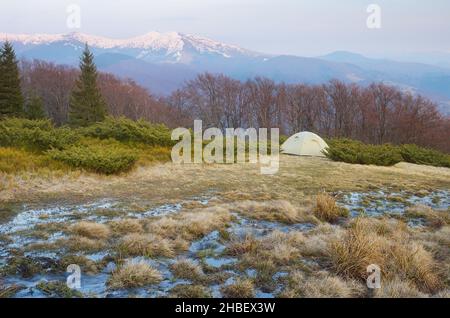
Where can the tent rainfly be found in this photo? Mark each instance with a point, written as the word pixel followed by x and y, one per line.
pixel 304 144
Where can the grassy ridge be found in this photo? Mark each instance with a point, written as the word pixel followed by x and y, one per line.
pixel 356 152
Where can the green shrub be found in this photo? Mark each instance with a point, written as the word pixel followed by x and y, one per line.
pixel 43 124
pixel 356 152
pixel 105 157
pixel 127 130
pixel 424 156
pixel 35 135
pixel 351 151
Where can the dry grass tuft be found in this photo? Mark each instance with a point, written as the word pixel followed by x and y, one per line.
pixel 190 225
pixel 321 285
pixel 411 262
pixel 9 291
pixel 81 243
pixel 357 249
pixel 87 265
pixel 397 288
pixel 90 230
pixel 327 210
pixel 187 269
pixel 190 205
pixel 145 245
pixel 317 240
pixel 133 275
pixel 242 288
pixel 239 247
pixel 394 253
pixel 281 248
pixel 268 253
pixel 434 219
pixel 125 226
pixel 274 210
pixel 189 291
pixel 389 228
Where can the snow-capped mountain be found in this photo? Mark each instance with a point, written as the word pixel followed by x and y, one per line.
pixel 162 62
pixel 154 46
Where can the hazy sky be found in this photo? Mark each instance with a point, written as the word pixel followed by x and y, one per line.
pixel 297 27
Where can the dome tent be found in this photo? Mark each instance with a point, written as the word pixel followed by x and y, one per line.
pixel 304 144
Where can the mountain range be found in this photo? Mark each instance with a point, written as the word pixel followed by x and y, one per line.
pixel 162 62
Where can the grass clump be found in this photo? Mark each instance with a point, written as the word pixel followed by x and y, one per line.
pixel 320 285
pixel 10 291
pixel 187 269
pixel 148 245
pixel 87 265
pixel 190 291
pixel 434 219
pixel 241 288
pixel 125 226
pixel 398 288
pixel 327 210
pixel 58 289
pixel 132 275
pixel 280 248
pixel 413 263
pixel 90 230
pixel 357 249
pixel 189 226
pixel 238 246
pixel 273 210
pixel 81 244
pixel 367 242
pixel 25 266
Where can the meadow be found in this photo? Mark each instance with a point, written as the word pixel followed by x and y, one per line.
pixel 213 230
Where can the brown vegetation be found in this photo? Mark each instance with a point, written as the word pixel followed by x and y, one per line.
pixel 133 275
pixel 327 210
pixel 90 230
pixel 241 288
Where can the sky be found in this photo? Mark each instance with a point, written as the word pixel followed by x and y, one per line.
pixel 298 27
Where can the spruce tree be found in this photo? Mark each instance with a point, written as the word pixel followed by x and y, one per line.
pixel 35 108
pixel 87 105
pixel 11 99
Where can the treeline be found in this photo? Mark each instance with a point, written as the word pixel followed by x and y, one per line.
pixel 376 114
pixel 54 84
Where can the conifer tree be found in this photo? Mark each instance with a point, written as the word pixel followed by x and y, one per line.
pixel 35 108
pixel 11 99
pixel 87 105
